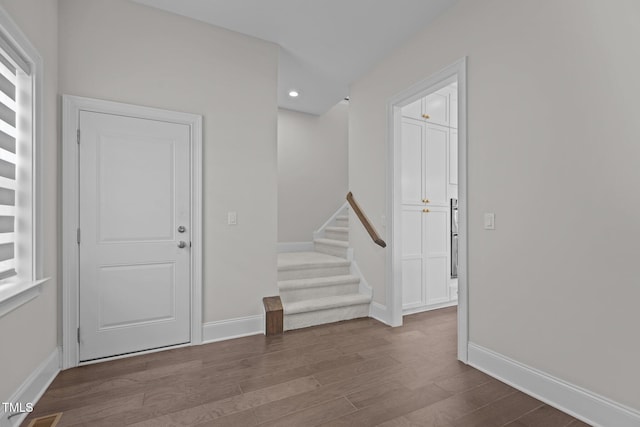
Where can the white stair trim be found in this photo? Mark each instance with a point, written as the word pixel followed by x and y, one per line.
pixel 319 233
pixel 583 404
pixel 364 287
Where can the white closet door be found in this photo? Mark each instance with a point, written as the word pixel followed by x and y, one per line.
pixel 436 106
pixel 413 110
pixel 453 157
pixel 436 255
pixel 413 271
pixel 412 162
pixel 436 162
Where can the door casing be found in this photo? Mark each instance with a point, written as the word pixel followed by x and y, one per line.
pixel 71 107
pixel 392 313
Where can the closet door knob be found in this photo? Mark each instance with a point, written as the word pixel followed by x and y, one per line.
pixel 425 210
pixel 425 200
pixel 426 116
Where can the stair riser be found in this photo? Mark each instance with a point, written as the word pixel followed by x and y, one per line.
pixel 335 235
pixel 312 318
pixel 318 292
pixel 309 273
pixel 331 250
pixel 340 222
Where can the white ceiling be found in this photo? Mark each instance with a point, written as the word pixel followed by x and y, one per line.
pixel 325 45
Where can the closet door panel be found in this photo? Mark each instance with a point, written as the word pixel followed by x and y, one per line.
pixel 436 255
pixel 436 162
pixel 413 289
pixel 412 162
pixel 453 157
pixel 413 110
pixel 436 106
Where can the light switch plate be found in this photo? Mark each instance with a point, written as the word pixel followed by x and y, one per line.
pixel 489 221
pixel 232 218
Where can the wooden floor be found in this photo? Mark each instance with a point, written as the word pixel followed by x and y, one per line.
pixel 359 373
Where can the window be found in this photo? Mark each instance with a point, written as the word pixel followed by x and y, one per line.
pixel 20 83
pixel 12 155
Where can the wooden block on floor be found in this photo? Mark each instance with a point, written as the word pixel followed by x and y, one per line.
pixel 274 315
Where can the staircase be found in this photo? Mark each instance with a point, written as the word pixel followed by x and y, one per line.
pixel 321 286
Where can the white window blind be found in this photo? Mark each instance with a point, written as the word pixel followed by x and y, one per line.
pixel 8 158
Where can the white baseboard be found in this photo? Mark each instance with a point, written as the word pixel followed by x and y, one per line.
pixel 232 328
pixel 32 388
pixel 380 313
pixel 576 401
pixel 295 247
pixel 424 308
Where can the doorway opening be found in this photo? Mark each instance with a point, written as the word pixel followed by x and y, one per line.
pixel 428 199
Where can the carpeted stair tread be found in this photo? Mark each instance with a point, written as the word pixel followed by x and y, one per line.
pixel 301 260
pixel 332 242
pixel 285 285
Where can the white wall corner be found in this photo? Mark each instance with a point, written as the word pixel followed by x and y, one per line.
pixel 350 256
pixel 32 388
pixel 576 401
pixel 222 330
pixel 380 313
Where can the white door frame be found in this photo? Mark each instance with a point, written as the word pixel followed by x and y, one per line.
pixel 394 193
pixel 71 107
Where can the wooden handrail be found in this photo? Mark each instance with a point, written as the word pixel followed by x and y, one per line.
pixel 365 221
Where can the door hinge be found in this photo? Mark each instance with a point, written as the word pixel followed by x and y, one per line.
pixel 78 236
pixel 78 335
pixel 78 136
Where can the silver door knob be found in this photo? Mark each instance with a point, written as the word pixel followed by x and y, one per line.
pixel 182 229
pixel 182 244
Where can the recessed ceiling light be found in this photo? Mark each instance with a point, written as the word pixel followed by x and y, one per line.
pixel 294 94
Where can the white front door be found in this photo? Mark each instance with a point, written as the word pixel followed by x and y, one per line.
pixel 134 213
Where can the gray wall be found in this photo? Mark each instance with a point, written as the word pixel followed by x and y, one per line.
pixel 312 170
pixel 553 151
pixel 122 51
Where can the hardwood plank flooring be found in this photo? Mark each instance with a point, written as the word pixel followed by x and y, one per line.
pixel 354 373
